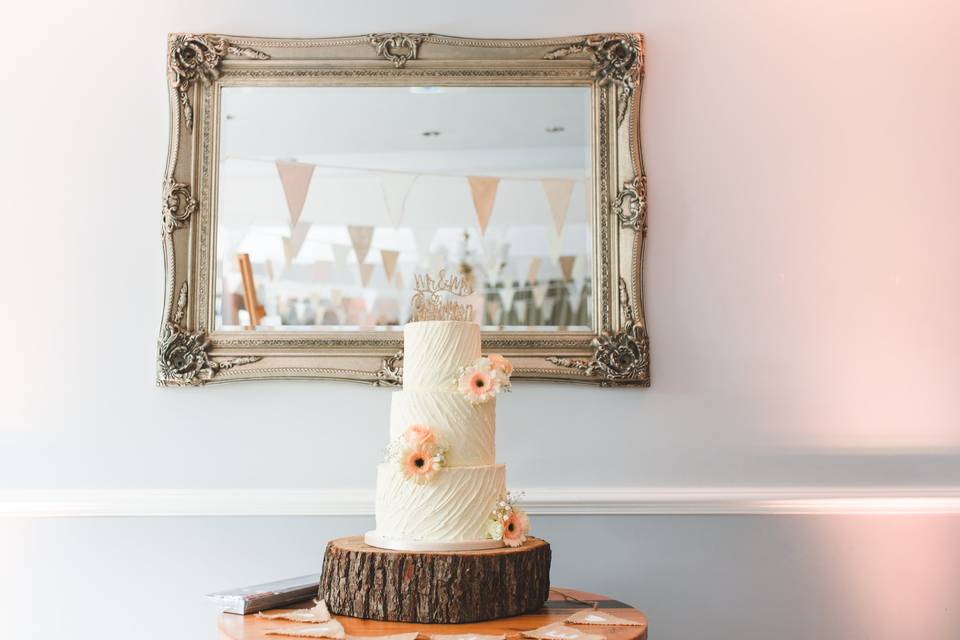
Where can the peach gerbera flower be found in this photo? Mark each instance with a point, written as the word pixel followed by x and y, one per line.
pixel 477 385
pixel 418 464
pixel 419 435
pixel 497 361
pixel 515 528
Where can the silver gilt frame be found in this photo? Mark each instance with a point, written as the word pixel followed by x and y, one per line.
pixel 191 353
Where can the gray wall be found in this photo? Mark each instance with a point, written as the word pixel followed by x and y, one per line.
pixel 801 288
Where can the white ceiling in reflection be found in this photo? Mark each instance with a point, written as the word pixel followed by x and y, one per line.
pixel 280 122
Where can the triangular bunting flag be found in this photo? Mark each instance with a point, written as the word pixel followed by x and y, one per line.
pixel 566 265
pixel 295 178
pixel 546 310
pixel 396 188
pixel 558 195
pixel 484 192
pixel 423 240
pixel 493 244
pixel 540 293
pixel 575 288
pixel 366 270
pixel 579 267
pixel 506 297
pixel 520 310
pixel 271 272
pixel 389 262
pixel 533 270
pixel 555 242
pixel 360 237
pixel 493 311
pixel 340 253
pixel 292 245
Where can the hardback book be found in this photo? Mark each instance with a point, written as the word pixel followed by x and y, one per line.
pixel 269 595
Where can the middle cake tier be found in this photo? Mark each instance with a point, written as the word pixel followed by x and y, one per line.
pixel 454 506
pixel 468 431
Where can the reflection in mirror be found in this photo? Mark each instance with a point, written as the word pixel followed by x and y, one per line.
pixel 330 199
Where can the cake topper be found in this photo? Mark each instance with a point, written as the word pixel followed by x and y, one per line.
pixel 428 302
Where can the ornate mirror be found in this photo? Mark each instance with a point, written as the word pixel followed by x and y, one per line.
pixel 308 181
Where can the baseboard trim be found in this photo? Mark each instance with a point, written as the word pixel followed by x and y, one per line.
pixel 571 501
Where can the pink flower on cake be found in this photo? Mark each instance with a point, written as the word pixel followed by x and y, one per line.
pixel 419 435
pixel 508 523
pixel 418 464
pixel 497 361
pixel 417 453
pixel 483 380
pixel 477 385
pixel 515 528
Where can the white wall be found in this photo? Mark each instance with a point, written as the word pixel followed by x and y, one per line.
pixel 802 282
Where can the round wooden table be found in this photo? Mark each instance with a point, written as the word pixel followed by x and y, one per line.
pixel 561 604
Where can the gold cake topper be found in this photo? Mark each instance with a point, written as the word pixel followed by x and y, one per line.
pixel 428 302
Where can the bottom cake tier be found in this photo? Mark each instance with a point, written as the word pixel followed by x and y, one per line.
pixel 454 506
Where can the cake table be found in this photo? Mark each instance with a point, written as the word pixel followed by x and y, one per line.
pixel 561 604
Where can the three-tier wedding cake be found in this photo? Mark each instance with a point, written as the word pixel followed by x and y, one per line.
pixel 450 546
pixel 440 487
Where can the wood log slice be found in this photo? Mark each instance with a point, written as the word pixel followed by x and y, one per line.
pixel 434 587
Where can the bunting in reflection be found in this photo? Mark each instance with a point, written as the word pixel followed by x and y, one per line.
pixel 389 259
pixel 558 196
pixel 366 271
pixel 554 242
pixel 293 244
pixel 566 266
pixel 506 298
pixel 539 293
pixel 423 241
pixel 483 189
pixel 360 237
pixel 396 187
pixel 533 270
pixel 295 178
pixel 493 308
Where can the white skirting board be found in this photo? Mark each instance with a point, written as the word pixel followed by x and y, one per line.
pixel 553 501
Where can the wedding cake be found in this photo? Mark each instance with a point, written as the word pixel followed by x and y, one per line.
pixel 440 487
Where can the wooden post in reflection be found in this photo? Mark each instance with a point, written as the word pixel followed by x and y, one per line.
pixel 254 310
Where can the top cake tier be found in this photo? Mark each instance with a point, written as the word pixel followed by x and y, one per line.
pixel 434 351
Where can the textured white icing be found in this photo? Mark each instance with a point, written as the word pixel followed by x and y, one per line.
pixel 455 505
pixel 467 430
pixel 435 350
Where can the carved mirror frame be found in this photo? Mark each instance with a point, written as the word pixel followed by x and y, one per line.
pixel 191 352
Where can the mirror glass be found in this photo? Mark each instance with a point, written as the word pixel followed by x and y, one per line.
pixel 330 199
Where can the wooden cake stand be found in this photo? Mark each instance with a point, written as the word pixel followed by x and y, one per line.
pixel 561 604
pixel 434 587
